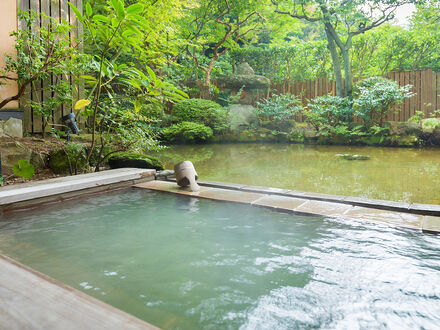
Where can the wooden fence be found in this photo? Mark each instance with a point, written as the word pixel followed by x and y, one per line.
pixel 425 86
pixel 58 9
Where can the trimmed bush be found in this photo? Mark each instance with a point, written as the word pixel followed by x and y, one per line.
pixel 187 132
pixel 206 112
pixel 375 97
pixel 132 159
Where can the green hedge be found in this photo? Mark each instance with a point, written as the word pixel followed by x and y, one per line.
pixel 187 132
pixel 206 112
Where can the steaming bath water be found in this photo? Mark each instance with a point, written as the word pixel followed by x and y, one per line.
pixel 183 263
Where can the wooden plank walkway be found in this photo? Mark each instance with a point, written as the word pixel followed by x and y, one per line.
pixel 31 300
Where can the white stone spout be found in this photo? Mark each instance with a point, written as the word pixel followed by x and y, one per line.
pixel 186 175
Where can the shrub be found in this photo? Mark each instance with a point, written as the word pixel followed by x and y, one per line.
pixel 206 112
pixel 69 159
pixel 187 132
pixel 329 111
pixel 375 97
pixel 279 107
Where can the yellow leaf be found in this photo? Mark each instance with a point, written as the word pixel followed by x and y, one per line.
pixel 81 104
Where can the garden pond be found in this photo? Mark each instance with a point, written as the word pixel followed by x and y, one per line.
pixel 185 263
pixel 398 174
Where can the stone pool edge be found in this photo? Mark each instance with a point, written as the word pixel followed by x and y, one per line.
pixel 28 195
pixel 413 208
pixel 307 203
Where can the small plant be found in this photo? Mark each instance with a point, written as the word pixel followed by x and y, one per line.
pixel 325 111
pixel 279 107
pixel 417 117
pixel 187 132
pixel 23 169
pixel 375 97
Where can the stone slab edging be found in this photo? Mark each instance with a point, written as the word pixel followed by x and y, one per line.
pixel 413 208
pixel 300 204
pixel 45 190
pixel 32 300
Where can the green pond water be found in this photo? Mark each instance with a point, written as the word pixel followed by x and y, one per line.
pixel 399 174
pixel 184 263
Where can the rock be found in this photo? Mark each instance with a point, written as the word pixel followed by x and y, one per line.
pixel 242 117
pixel 38 161
pixel 13 127
pixel 392 126
pixel 353 157
pixel 407 141
pixel 409 128
pixel 131 159
pixel 238 81
pixel 2 132
pixel 429 124
pixel 279 125
pixel 11 153
pixel 164 174
pixel 245 69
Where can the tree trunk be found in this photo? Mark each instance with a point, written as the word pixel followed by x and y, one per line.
pixel 336 63
pixel 205 89
pixel 347 70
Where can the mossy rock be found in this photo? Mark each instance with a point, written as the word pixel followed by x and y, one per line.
pixel 131 159
pixel 372 140
pixel 279 125
pixel 407 141
pixel 59 159
pixel 353 157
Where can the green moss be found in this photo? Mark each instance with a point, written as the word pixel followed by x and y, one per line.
pixel 131 159
pixel 59 159
pixel 407 141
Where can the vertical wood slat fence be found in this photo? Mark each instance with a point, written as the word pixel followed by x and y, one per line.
pixel 58 9
pixel 425 86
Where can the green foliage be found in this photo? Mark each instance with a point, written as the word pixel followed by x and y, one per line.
pixel 417 117
pixel 279 107
pixel 329 111
pixel 375 97
pixel 23 169
pixel 1 180
pixel 40 55
pixel 206 112
pixel 115 29
pixel 296 60
pixel 187 132
pixel 69 159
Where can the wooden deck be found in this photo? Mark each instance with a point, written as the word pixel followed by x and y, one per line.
pixel 31 300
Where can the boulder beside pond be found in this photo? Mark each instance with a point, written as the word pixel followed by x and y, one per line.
pixel 131 159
